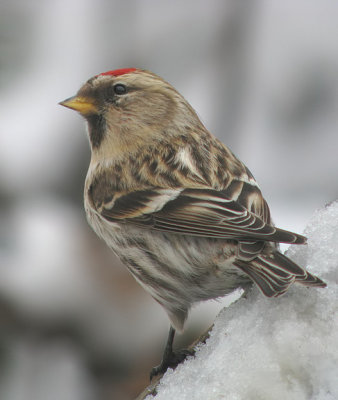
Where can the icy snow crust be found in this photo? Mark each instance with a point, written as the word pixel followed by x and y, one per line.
pixel 272 349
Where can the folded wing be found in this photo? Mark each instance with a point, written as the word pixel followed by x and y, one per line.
pixel 196 212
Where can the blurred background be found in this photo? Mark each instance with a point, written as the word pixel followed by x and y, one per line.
pixel 261 74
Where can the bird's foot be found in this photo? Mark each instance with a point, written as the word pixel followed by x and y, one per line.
pixel 171 360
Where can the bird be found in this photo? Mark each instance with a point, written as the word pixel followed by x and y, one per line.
pixel 182 212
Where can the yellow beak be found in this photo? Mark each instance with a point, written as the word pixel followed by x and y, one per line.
pixel 83 105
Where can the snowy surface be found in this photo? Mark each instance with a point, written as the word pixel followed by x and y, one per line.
pixel 285 348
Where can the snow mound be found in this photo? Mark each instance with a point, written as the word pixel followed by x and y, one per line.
pixel 272 349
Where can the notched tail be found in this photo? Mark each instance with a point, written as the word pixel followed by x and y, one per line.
pixel 275 273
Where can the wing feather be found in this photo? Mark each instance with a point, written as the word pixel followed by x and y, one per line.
pixel 197 212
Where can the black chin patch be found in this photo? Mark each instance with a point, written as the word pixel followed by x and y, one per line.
pixel 97 129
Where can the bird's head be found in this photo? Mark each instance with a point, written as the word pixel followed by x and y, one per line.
pixel 128 108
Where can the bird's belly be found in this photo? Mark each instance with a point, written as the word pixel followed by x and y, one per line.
pixel 174 269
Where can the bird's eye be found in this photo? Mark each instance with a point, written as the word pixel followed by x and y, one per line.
pixel 120 89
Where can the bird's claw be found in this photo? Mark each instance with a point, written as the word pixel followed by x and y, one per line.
pixel 171 361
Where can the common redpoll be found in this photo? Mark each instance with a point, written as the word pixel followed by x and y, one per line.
pixel 185 216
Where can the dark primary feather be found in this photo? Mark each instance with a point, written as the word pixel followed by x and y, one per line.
pixel 197 212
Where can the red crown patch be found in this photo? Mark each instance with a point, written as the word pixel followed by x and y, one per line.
pixel 118 72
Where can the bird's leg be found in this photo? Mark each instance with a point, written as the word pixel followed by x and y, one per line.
pixel 170 359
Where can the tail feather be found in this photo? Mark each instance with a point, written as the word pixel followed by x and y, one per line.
pixel 311 280
pixel 275 273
